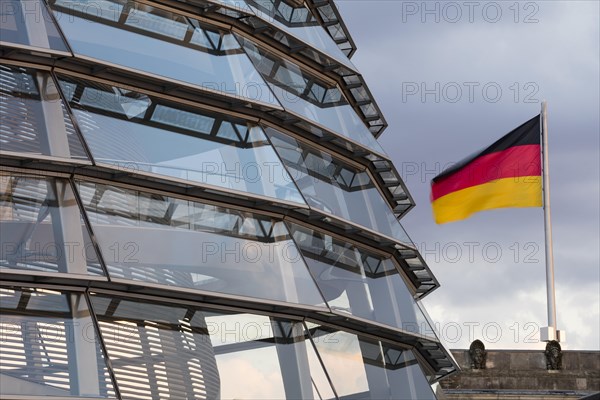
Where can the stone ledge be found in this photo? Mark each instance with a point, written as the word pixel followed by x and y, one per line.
pixel 525 370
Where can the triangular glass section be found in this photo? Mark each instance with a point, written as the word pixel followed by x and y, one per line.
pixel 227 131
pixel 134 106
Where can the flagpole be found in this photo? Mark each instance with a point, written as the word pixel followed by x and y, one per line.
pixel 550 332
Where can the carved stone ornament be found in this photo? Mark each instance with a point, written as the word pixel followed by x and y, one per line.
pixel 553 355
pixel 478 354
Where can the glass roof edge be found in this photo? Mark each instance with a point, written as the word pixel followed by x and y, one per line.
pixel 315 4
pixel 372 100
pixel 349 65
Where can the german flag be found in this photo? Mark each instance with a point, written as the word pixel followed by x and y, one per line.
pixel 506 174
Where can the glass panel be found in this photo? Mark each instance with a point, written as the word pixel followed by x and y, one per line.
pixel 362 368
pixel 49 346
pixel 41 227
pixel 33 118
pixel 28 22
pixel 147 39
pixel 335 187
pixel 158 239
pixel 360 283
pixel 331 111
pixel 300 24
pixel 136 132
pixel 178 352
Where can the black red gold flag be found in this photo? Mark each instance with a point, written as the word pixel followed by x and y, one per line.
pixel 505 174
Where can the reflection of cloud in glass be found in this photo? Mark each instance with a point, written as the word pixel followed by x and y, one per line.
pixel 252 374
pixel 343 360
pixel 227 329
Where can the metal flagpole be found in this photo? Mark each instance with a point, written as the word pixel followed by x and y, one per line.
pixel 550 332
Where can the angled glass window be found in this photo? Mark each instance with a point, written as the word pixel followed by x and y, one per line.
pixel 41 227
pixel 33 118
pixel 359 283
pixel 49 346
pixel 310 98
pixel 136 132
pixel 29 23
pixel 362 368
pixel 147 39
pixel 299 22
pixel 168 241
pixel 180 352
pixel 337 188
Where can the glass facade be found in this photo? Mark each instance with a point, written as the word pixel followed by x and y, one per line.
pixel 193 205
pixel 365 368
pixel 298 21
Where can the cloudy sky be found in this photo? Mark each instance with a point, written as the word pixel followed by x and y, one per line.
pixel 452 78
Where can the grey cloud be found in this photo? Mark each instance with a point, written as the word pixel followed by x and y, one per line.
pixel 560 55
